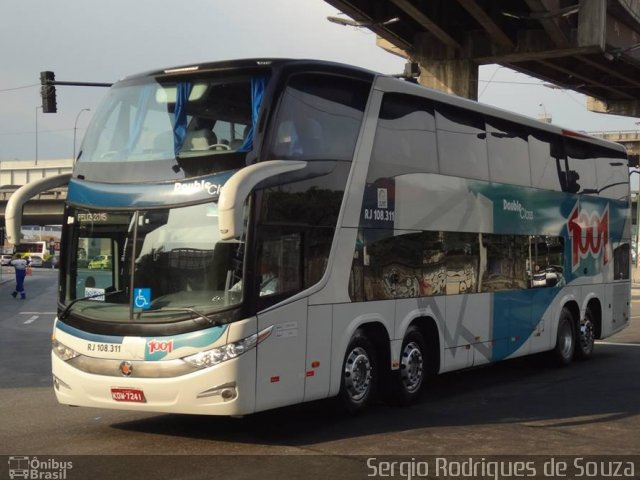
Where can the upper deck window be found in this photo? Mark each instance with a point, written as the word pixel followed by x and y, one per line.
pixel 319 118
pixel 163 118
pixel 462 148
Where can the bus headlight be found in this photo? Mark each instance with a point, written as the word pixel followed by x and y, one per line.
pixel 62 351
pixel 217 355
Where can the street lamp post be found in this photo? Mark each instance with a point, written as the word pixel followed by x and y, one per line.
pixel 37 133
pixel 75 128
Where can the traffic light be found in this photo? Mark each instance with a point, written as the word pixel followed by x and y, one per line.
pixel 48 92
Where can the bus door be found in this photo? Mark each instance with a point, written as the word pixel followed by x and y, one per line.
pixel 281 357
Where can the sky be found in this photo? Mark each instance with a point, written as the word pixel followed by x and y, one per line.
pixel 103 41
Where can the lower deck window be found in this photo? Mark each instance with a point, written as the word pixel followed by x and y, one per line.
pixel 389 264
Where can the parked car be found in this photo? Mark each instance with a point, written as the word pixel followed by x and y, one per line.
pixel 36 261
pixel 6 259
pixel 100 262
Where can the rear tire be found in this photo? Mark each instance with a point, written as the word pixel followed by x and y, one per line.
pixel 408 381
pixel 586 336
pixel 565 339
pixel 359 374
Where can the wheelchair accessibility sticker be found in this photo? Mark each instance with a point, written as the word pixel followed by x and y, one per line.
pixel 142 298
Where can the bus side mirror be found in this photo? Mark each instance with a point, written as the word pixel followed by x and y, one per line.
pixel 236 190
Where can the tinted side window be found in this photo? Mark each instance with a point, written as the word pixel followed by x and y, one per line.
pixel 582 167
pixel 612 170
pixel 621 258
pixel 508 153
pixel 390 264
pixel 462 148
pixel 461 254
pixel 305 211
pixel 545 264
pixel 405 140
pixel 506 262
pixel 319 118
pixel 279 266
pixel 548 166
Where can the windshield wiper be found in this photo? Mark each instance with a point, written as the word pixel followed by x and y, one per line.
pixel 67 310
pixel 209 320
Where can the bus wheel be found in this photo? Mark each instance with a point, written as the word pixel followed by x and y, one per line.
pixel 359 373
pixel 586 337
pixel 565 339
pixel 411 376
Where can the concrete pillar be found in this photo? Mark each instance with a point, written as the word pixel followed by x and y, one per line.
pixel 456 76
pixel 629 108
pixel 445 67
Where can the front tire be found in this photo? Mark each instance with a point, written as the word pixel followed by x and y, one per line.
pixel 359 374
pixel 586 336
pixel 565 339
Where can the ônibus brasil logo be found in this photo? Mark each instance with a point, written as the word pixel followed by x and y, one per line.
pixel 589 235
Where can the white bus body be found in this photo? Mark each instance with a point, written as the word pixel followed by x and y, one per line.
pixel 457 235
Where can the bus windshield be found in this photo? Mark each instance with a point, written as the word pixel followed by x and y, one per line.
pixel 160 264
pixel 159 118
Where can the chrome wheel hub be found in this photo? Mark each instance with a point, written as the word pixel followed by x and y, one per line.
pixel 586 333
pixel 357 374
pixel 411 367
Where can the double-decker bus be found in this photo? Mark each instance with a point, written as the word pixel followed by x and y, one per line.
pixel 281 231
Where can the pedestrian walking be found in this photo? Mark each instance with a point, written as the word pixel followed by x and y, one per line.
pixel 20 265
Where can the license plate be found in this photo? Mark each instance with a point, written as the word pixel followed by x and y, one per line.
pixel 128 395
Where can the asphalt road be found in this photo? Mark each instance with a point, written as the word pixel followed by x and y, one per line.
pixel 520 407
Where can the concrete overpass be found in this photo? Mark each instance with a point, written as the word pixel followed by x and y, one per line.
pixel 46 208
pixel 629 138
pixel 590 46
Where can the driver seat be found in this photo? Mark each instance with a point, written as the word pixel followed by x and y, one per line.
pixel 200 139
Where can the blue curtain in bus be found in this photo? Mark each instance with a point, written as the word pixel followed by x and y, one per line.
pixel 258 86
pixel 135 128
pixel 183 90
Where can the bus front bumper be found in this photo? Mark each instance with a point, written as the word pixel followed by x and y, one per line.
pixel 224 389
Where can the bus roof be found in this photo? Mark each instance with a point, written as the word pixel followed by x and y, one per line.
pixel 250 63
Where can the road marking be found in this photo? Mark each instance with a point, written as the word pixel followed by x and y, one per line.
pixel 31 319
pixel 620 344
pixel 37 313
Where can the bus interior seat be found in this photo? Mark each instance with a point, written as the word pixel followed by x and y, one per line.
pixel 200 139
